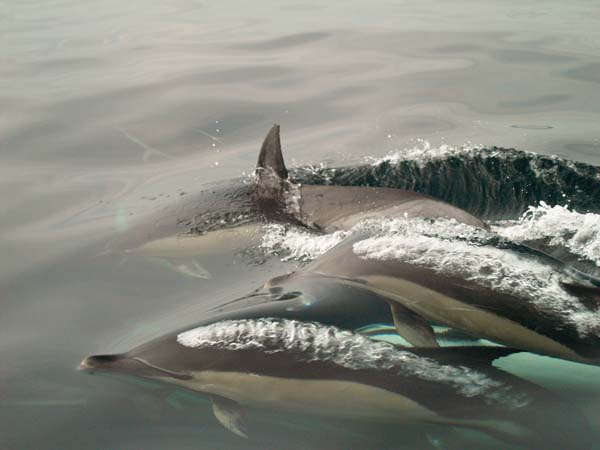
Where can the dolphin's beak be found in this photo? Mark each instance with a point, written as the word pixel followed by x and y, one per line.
pixel 100 362
pixel 132 365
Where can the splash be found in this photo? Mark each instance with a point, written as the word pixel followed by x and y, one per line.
pixel 454 249
pixel 423 152
pixel 292 243
pixel 559 226
pixel 295 244
pixel 489 182
pixel 316 342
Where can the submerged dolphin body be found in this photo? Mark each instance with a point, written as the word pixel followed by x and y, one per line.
pixel 417 294
pixel 521 299
pixel 446 273
pixel 309 368
pixel 231 213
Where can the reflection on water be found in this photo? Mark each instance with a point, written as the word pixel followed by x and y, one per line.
pixel 116 115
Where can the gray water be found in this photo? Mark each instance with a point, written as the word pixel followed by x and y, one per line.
pixel 111 111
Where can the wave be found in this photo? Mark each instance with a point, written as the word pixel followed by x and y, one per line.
pixel 559 231
pixel 311 341
pixel 492 183
pixel 451 248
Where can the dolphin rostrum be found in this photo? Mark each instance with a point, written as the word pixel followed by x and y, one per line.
pixel 310 368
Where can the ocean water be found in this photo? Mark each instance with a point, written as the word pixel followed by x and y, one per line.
pixel 113 115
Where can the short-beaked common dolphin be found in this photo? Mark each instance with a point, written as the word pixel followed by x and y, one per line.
pixel 307 296
pixel 339 289
pixel 522 300
pixel 311 368
pixel 232 213
pixel 332 301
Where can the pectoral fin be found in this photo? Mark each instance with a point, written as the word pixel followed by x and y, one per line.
pixel 412 327
pixel 230 414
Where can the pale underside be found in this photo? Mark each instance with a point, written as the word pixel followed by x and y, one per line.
pixel 439 308
pixel 330 398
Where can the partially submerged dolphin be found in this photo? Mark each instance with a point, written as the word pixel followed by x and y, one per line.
pixel 512 295
pixel 438 272
pixel 231 213
pixel 310 368
pixel 562 323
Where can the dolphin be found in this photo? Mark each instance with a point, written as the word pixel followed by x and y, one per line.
pixel 508 294
pixel 341 289
pixel 416 295
pixel 310 368
pixel 310 296
pixel 230 215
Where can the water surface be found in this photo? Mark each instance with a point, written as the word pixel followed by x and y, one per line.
pixel 109 112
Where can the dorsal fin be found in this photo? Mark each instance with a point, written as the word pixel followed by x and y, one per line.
pixel 270 156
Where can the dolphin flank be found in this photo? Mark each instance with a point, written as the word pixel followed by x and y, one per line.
pixel 517 298
pixel 220 208
pixel 311 368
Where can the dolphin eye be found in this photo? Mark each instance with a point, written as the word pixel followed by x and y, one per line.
pixel 289 296
pixel 301 301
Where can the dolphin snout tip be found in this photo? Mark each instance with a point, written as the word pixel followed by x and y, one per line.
pixel 97 362
pixel 85 364
pixel 89 363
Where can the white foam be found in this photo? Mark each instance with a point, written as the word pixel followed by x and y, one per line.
pixel 423 152
pixel 294 243
pixel 442 249
pixel 292 198
pixel 316 342
pixel 451 248
pixel 580 233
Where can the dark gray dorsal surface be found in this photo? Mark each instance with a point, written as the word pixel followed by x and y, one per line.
pixel 270 156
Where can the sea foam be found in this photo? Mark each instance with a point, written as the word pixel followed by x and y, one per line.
pixel 454 249
pixel 312 341
pixel 560 226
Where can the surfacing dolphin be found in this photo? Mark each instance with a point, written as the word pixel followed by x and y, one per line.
pixel 481 286
pixel 230 214
pixel 310 368
pixel 441 272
